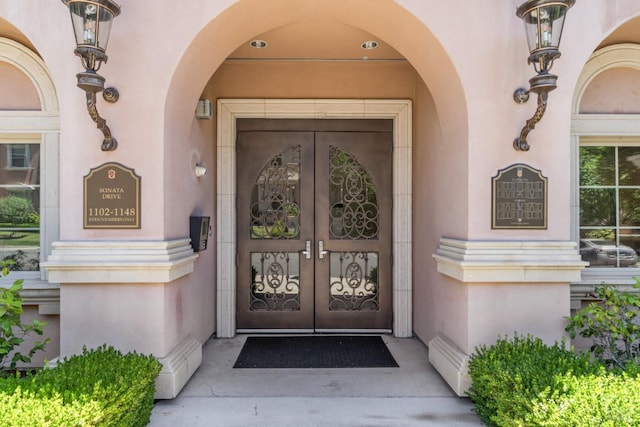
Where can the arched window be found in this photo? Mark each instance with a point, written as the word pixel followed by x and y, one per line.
pixel 29 136
pixel 606 141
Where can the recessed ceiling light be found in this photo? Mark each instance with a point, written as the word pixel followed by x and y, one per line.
pixel 258 44
pixel 369 44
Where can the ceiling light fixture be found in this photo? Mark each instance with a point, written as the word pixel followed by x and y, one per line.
pixel 258 44
pixel 369 45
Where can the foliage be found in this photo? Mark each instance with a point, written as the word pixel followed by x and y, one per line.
pixel 12 330
pixel 510 375
pixel 524 383
pixel 604 400
pixel 612 325
pixel 17 210
pixel 101 387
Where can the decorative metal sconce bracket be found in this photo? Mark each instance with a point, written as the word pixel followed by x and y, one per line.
pixel 520 143
pixel 109 143
pixel 92 83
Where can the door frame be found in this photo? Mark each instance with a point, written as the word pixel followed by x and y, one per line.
pixel 400 111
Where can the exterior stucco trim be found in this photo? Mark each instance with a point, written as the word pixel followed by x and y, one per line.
pixel 400 111
pixel 120 261
pixel 605 124
pixel 177 367
pixel 509 261
pixel 625 55
pixel 451 363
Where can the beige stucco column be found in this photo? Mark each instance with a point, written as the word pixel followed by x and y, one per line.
pixel 499 288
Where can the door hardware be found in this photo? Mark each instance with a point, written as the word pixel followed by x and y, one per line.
pixel 307 251
pixel 321 251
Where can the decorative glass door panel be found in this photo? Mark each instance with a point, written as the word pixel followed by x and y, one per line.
pixel 313 227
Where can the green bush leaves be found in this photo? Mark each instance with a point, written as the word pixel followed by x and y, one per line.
pixel 12 331
pixel 612 324
pixel 101 387
pixel 522 382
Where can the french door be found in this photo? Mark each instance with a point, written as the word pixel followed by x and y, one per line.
pixel 314 224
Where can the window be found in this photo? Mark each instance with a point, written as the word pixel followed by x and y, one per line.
pixel 610 203
pixel 18 156
pixel 29 171
pixel 20 201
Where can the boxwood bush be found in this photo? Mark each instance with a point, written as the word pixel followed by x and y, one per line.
pixel 523 382
pixel 101 387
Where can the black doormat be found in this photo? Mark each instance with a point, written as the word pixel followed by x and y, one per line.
pixel 312 351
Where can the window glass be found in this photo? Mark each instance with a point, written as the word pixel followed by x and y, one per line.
pixel 597 166
pixel 610 205
pixel 20 204
pixel 629 165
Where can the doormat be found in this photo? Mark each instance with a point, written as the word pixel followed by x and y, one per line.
pixel 312 351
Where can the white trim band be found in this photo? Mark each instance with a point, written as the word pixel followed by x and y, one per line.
pixel 120 261
pixel 509 261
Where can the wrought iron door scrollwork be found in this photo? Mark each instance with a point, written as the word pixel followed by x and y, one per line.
pixel 354 281
pixel 275 281
pixel 353 211
pixel 275 208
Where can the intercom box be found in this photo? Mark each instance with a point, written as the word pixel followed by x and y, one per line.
pixel 199 232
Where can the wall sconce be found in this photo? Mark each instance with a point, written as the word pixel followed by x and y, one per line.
pixel 543 20
pixel 204 110
pixel 200 171
pixel 91 20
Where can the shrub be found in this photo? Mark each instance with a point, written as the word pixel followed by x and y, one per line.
pixel 101 387
pixel 510 375
pixel 604 400
pixel 613 326
pixel 16 210
pixel 28 408
pixel 12 330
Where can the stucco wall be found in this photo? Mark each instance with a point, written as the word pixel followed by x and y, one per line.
pixel 615 91
pixel 17 91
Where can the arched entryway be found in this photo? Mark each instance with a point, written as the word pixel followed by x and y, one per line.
pixel 328 85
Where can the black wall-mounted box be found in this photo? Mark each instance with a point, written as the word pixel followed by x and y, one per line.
pixel 199 232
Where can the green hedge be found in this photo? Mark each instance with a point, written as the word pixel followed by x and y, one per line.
pixel 523 382
pixel 605 399
pixel 101 387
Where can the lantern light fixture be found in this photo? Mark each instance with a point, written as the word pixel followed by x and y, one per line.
pixel 543 20
pixel 92 20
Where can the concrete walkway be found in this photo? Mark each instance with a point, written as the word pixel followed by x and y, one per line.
pixel 411 395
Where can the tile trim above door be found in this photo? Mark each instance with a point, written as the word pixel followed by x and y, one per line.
pixel 400 111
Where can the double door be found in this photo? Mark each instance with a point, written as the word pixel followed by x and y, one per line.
pixel 314 225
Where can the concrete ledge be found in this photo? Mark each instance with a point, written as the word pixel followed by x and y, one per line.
pixel 120 261
pixel 177 367
pixel 484 261
pixel 451 363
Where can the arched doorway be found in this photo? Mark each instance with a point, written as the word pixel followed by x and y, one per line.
pixel 436 99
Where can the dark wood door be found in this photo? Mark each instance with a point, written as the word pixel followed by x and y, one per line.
pixel 314 226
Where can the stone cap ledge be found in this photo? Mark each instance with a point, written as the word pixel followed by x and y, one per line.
pixel 120 261
pixel 509 261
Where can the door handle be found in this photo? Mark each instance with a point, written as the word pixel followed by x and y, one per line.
pixel 321 251
pixel 307 251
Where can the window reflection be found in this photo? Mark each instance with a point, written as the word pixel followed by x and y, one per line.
pixel 610 205
pixel 20 205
